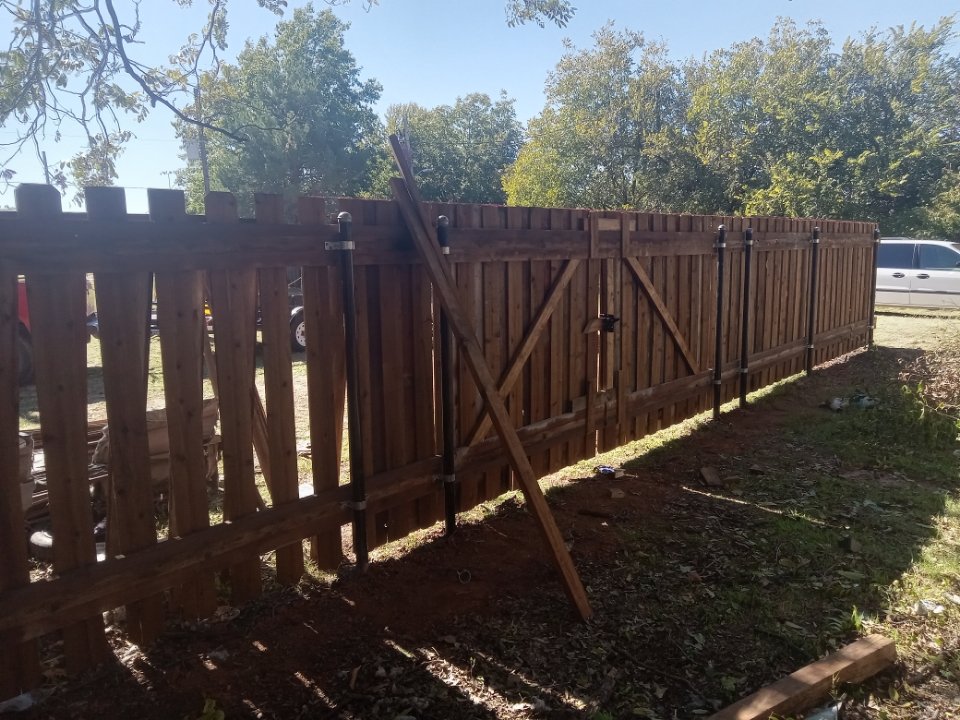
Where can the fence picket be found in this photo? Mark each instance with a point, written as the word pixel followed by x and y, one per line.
pixel 58 313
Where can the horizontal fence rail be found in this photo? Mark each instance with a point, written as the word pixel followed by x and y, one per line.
pixel 599 327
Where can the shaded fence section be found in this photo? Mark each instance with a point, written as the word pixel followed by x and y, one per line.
pixel 601 327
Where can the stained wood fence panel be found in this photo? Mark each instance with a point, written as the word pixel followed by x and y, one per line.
pixel 536 285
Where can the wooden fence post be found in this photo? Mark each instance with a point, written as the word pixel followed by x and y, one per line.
pixel 812 308
pixel 745 322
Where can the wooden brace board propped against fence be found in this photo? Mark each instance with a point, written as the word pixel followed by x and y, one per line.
pixel 411 208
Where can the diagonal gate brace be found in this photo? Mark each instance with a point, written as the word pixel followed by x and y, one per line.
pixel 411 208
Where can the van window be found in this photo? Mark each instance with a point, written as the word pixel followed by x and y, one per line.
pixel 938 257
pixel 895 255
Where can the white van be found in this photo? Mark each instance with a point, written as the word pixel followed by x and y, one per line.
pixel 920 273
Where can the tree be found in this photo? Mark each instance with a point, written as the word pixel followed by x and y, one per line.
pixel 77 62
pixel 781 126
pixel 611 130
pixel 795 128
pixel 70 62
pixel 461 151
pixel 900 129
pixel 757 113
pixel 940 218
pixel 305 116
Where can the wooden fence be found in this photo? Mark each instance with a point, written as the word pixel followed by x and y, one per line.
pixel 541 287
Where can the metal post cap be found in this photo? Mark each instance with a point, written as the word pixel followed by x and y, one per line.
pixel 443 221
pixel 344 217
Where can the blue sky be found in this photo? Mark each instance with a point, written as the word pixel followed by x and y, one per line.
pixel 432 51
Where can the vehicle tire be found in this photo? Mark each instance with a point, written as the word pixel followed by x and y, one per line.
pixel 298 332
pixel 25 350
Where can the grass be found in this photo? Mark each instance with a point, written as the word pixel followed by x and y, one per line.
pixel 829 526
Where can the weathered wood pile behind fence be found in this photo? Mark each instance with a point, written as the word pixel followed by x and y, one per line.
pixel 540 286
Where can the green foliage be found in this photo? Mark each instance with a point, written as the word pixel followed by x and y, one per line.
pixel 558 12
pixel 608 133
pixel 210 711
pixel 77 63
pixel 71 62
pixel 784 125
pixel 941 216
pixel 460 151
pixel 299 115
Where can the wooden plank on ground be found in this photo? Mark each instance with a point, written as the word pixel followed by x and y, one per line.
pixel 123 307
pixel 58 314
pixel 19 662
pixel 182 334
pixel 811 684
pixel 472 352
pixel 278 390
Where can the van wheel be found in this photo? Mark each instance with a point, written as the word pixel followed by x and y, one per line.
pixel 25 351
pixel 298 332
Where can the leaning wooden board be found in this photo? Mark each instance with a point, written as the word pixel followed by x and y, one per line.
pixel 441 276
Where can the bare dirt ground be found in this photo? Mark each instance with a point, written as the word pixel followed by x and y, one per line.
pixel 826 526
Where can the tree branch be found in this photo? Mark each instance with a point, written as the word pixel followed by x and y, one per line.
pixel 156 97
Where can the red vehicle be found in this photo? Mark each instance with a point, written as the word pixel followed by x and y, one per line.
pixel 24 343
pixel 24 346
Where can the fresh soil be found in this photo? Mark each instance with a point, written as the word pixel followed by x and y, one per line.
pixel 701 594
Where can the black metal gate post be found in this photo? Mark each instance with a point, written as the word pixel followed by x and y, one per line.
pixel 358 490
pixel 812 315
pixel 745 318
pixel 718 355
pixel 873 288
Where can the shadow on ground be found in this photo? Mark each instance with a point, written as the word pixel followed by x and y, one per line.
pixel 701 593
